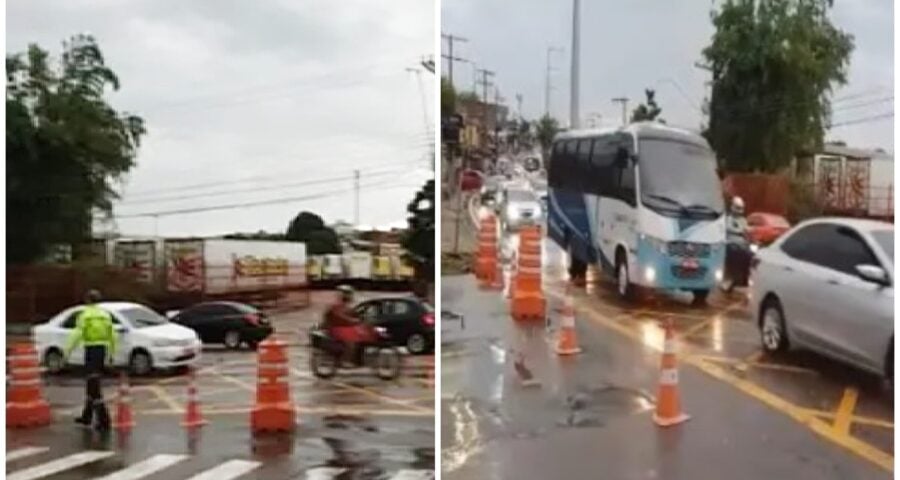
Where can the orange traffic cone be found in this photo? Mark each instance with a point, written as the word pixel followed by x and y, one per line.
pixel 192 416
pixel 668 407
pixel 568 341
pixel 124 417
pixel 25 403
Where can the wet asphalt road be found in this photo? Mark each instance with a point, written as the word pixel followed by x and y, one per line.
pixel 353 426
pixel 752 416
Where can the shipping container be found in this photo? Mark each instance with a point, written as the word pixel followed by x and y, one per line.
pixel 357 265
pixel 217 266
pixel 332 266
pixel 139 258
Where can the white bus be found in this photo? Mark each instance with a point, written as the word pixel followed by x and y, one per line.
pixel 643 202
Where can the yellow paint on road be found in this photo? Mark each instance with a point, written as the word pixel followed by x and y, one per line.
pixel 379 396
pixel 744 364
pixel 867 421
pixel 801 415
pixel 164 396
pixel 696 328
pixel 845 410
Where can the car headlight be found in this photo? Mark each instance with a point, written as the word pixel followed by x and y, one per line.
pixel 754 247
pixel 654 243
pixel 512 213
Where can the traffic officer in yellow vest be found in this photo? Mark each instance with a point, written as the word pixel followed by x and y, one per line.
pixel 94 329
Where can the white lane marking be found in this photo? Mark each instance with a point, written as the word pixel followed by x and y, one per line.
pixel 146 467
pixel 59 465
pixel 413 475
pixel 324 473
pixel 24 452
pixel 227 471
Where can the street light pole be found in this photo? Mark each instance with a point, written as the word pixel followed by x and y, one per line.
pixel 573 105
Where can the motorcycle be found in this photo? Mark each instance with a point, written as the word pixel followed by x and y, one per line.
pixel 376 351
pixel 738 257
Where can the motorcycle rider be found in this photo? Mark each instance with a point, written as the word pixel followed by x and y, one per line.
pixel 341 323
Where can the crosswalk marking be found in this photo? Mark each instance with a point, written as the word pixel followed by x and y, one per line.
pixel 324 473
pixel 24 452
pixel 413 475
pixel 149 467
pixel 227 471
pixel 146 467
pixel 59 465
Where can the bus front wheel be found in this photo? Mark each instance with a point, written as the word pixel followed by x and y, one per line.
pixel 623 279
pixel 700 297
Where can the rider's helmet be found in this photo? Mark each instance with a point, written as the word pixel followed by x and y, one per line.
pixel 737 206
pixel 346 292
pixel 92 296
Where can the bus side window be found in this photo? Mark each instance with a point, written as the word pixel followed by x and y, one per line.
pixel 554 164
pixel 601 171
pixel 569 175
pixel 625 181
pixel 581 168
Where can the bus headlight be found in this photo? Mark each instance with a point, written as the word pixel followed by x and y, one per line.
pixel 650 274
pixel 719 275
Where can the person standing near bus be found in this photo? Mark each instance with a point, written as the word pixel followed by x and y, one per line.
pixel 94 329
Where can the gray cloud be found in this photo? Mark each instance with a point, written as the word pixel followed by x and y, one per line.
pixel 631 45
pixel 279 91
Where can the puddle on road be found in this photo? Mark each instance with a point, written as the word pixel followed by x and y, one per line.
pixel 595 407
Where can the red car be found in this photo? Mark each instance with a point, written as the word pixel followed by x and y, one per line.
pixel 471 180
pixel 766 227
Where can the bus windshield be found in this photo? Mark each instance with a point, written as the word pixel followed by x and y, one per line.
pixel 679 179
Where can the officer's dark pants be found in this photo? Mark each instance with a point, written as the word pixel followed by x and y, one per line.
pixel 94 362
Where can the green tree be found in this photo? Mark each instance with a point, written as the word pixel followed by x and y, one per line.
pixel 309 228
pixel 419 238
pixel 65 146
pixel 774 65
pixel 648 111
pixel 547 128
pixel 467 96
pixel 448 98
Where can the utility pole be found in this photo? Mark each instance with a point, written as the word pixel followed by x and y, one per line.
pixel 624 102
pixel 485 83
pixel 573 105
pixel 428 130
pixel 356 197
pixel 449 56
pixel 519 105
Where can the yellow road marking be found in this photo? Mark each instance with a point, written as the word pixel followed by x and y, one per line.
pixel 801 415
pixel 868 421
pixel 696 328
pixel 754 357
pixel 748 363
pixel 382 397
pixel 235 381
pixel 164 396
pixel 845 411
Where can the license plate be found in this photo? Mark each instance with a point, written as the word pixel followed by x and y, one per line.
pixel 690 264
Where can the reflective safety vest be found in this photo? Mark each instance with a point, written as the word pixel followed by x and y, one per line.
pixel 94 326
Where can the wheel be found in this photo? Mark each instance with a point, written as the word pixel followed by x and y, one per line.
pixel 54 361
pixel 577 268
pixel 772 330
pixel 417 344
pixel 624 286
pixel 323 364
pixel 387 363
pixel 140 364
pixel 232 339
pixel 700 297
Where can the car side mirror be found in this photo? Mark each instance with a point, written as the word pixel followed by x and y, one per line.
pixel 874 274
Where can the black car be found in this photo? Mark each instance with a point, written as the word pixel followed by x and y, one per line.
pixel 408 320
pixel 229 323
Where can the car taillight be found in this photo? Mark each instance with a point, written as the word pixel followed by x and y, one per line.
pixel 252 318
pixel 428 319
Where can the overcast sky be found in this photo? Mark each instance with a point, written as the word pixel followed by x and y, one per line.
pixel 246 101
pixel 627 46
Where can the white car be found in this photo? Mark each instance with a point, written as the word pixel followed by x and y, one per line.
pixel 146 339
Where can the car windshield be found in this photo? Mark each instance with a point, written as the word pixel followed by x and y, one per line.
pixel 520 196
pixel 679 178
pixel 885 239
pixel 142 317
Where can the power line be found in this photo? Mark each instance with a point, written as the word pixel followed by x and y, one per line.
pixel 449 56
pixel 257 189
pixel 232 206
pixel 868 119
